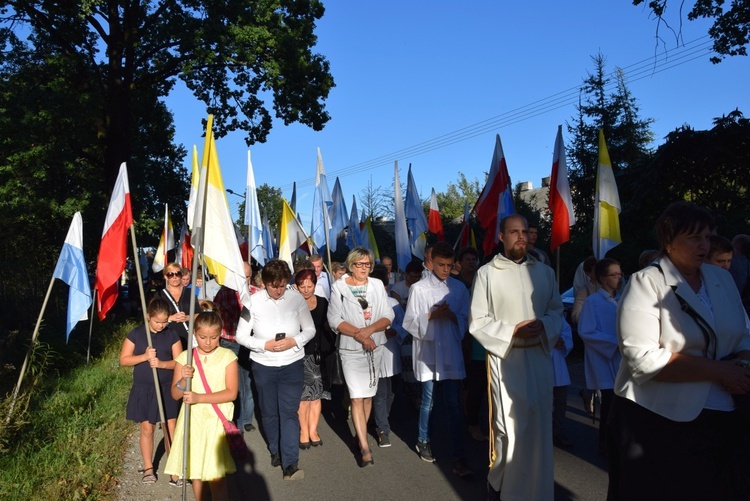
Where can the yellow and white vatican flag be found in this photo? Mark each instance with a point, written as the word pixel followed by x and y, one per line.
pixel 606 205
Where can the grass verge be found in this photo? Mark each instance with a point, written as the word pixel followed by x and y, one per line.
pixel 68 442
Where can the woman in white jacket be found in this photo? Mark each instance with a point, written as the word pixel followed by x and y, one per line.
pixel 360 313
pixel 674 429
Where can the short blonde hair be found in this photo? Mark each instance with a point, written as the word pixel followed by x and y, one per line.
pixel 171 267
pixel 358 253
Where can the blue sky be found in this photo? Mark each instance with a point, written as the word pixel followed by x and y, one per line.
pixel 411 72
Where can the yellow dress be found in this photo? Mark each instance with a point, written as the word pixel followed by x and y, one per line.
pixel 209 457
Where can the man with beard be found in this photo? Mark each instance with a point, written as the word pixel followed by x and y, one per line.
pixel 516 314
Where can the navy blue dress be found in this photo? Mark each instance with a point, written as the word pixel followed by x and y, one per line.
pixel 142 403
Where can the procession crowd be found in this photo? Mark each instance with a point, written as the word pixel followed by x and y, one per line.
pixel 667 355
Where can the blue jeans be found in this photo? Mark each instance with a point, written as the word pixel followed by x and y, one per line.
pixel 279 394
pixel 244 401
pixel 451 392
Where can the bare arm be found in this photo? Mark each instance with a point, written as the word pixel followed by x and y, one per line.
pixel 128 359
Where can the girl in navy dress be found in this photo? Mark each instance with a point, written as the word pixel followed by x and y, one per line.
pixel 142 403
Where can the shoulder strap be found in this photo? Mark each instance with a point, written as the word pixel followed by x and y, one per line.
pixel 176 308
pixel 704 326
pixel 199 366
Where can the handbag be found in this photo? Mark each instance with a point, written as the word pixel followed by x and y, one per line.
pixel 335 370
pixel 237 445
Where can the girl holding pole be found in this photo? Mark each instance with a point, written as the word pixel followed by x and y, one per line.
pixel 142 403
pixel 206 429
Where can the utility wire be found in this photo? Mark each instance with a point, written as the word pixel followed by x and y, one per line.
pixel 667 60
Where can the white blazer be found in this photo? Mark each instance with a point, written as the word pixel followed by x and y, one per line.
pixel 344 307
pixel 651 325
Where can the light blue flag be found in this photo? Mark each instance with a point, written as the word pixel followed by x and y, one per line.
pixel 337 214
pixel 403 248
pixel 71 269
pixel 416 221
pixel 252 217
pixel 320 224
pixel 353 236
pixel 268 246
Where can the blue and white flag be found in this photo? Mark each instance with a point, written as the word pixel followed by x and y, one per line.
pixel 353 236
pixel 320 224
pixel 403 248
pixel 268 246
pixel 71 269
pixel 416 221
pixel 252 217
pixel 337 214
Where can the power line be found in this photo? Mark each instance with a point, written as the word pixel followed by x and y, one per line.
pixel 667 60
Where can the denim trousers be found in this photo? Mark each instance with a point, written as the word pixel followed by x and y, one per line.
pixel 279 394
pixel 450 390
pixel 244 405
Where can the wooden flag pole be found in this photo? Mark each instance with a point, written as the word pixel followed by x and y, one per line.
pixel 325 226
pixel 160 403
pixel 28 352
pixel 198 250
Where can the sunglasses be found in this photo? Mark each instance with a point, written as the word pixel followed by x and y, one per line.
pixel 363 303
pixel 173 274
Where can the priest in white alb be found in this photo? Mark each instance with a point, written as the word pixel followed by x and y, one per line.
pixel 516 314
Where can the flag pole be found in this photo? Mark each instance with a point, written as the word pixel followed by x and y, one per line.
pixel 557 267
pixel 159 403
pixel 325 225
pixel 28 352
pixel 91 326
pixel 198 250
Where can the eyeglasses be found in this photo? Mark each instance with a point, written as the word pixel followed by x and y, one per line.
pixel 362 264
pixel 173 274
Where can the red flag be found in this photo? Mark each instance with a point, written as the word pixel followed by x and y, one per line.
pixel 560 201
pixel 113 250
pixel 184 252
pixel 465 229
pixel 496 200
pixel 434 223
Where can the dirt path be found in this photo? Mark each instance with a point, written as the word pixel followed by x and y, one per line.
pixel 130 487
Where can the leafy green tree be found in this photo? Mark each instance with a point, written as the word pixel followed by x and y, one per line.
pixel 730 29
pixel 229 53
pixel 628 136
pixel 452 200
pixel 81 90
pixel 708 167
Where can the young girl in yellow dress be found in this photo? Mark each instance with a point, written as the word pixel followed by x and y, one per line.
pixel 209 458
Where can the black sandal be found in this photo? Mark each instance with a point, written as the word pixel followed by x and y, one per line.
pixel 148 478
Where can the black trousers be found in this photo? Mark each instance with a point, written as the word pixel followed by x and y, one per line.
pixel 652 457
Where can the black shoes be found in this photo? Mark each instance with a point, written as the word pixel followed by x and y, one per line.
pixel 276 460
pixel 291 472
